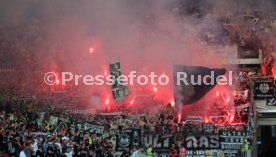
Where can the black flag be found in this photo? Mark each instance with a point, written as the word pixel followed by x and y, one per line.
pixel 193 87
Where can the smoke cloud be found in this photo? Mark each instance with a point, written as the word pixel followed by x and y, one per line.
pixel 144 35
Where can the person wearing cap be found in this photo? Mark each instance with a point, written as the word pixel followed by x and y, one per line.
pixel 64 147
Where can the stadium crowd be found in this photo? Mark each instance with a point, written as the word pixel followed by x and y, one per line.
pixel 24 134
pixel 27 128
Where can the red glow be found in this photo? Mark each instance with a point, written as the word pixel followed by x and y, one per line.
pixel 228 113
pixel 274 71
pixel 206 120
pixel 155 89
pixel 108 108
pixel 231 118
pixel 132 101
pixel 172 102
pixel 91 50
pixel 107 101
pixel 228 100
pixel 179 117
pixel 264 68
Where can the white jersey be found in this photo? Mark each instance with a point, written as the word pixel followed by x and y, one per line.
pixel 35 146
pixel 22 154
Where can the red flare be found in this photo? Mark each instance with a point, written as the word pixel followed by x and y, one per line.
pixel 179 117
pixel 132 101
pixel 172 103
pixel 155 89
pixel 91 50
pixel 274 71
pixel 206 120
pixel 231 118
pixel 107 101
pixel 228 100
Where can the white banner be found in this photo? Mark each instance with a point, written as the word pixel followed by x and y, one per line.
pixel 118 91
